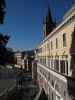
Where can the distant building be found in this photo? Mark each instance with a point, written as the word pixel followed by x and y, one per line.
pixel 56 60
pixel 18 56
pixel 24 59
pixel 29 58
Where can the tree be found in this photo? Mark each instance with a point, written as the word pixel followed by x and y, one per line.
pixel 4 39
pixel 3 50
pixel 10 57
pixel 2 11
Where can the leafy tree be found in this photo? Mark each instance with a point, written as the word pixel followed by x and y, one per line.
pixel 4 39
pixel 2 10
pixel 3 50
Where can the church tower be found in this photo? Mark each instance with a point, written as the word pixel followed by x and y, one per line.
pixel 48 24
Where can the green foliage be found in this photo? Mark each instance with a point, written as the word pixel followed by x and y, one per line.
pixel 4 39
pixel 2 11
pixel 3 50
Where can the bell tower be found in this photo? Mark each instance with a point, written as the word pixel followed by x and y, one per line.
pixel 48 24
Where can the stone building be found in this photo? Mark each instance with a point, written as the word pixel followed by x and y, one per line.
pixel 56 60
pixel 29 58
pixel 24 59
pixel 18 57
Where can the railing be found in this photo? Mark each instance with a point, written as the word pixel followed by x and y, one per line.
pixel 59 66
pixel 70 80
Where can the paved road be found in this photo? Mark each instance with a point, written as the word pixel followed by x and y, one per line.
pixel 7 80
pixel 26 91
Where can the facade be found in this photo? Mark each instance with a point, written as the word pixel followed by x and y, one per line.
pixel 56 60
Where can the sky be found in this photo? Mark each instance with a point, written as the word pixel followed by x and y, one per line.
pixel 24 20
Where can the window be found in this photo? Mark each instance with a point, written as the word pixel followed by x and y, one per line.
pixel 64 40
pixel 56 43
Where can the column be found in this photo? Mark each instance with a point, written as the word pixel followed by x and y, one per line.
pixel 49 62
pixel 59 65
pixel 53 62
pixel 27 65
pixel 23 64
pixel 32 70
pixel 65 67
pixel 69 70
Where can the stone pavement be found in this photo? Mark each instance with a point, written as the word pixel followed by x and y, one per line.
pixel 7 82
pixel 26 91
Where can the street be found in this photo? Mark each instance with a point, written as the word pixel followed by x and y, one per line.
pixel 26 91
